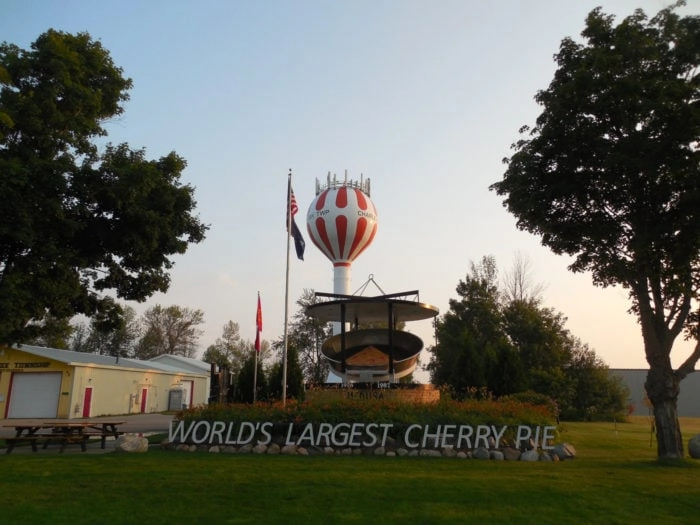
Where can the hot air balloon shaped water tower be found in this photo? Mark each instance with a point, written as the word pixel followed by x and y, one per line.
pixel 342 222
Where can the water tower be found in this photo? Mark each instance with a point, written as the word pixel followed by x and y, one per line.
pixel 342 222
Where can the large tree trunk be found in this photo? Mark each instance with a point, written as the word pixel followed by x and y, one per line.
pixel 662 386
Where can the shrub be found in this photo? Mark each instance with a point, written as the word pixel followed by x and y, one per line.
pixel 509 411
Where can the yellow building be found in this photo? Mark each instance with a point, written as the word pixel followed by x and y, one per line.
pixel 37 382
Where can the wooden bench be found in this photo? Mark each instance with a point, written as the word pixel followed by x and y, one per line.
pixel 102 435
pixel 82 439
pixel 65 433
pixel 35 439
pixel 12 441
pixel 66 439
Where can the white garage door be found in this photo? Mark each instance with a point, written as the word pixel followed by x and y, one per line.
pixel 34 395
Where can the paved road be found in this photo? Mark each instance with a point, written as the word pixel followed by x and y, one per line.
pixel 147 423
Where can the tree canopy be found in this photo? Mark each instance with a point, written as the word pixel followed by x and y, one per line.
pixel 170 330
pixel 305 336
pixel 295 377
pixel 77 223
pixel 116 335
pixel 610 174
pixel 229 350
pixel 490 342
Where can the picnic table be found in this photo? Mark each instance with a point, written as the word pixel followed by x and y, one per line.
pixel 63 432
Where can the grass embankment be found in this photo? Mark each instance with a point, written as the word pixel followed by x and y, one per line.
pixel 615 479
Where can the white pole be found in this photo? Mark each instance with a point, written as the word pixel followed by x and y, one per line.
pixel 256 347
pixel 341 286
pixel 255 377
pixel 286 289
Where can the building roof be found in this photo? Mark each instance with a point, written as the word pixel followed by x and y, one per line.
pixel 186 362
pixel 83 358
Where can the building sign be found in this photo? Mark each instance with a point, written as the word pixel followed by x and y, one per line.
pixel 35 364
pixel 31 364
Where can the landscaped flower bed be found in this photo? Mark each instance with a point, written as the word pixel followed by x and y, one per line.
pixel 469 412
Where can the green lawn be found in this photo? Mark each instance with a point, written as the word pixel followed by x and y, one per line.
pixel 614 479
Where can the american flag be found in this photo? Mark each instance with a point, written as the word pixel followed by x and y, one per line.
pixel 299 243
pixel 293 205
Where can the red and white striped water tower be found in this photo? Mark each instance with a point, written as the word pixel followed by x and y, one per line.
pixel 342 222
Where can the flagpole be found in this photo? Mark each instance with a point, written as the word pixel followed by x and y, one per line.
pixel 255 378
pixel 255 350
pixel 286 289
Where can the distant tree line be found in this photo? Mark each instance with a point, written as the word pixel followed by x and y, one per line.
pixel 160 330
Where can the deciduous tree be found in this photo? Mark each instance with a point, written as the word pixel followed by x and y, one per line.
pixel 490 342
pixel 77 223
pixel 171 330
pixel 518 284
pixel 50 332
pixel 543 348
pixel 229 350
pixel 598 395
pixel 247 378
pixel 306 335
pixel 114 334
pixel 610 174
pixel 295 377
pixel 473 350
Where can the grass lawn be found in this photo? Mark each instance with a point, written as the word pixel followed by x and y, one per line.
pixel 614 479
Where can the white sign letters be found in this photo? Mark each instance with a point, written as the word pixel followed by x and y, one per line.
pixel 357 434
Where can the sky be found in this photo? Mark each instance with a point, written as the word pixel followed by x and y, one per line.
pixel 423 97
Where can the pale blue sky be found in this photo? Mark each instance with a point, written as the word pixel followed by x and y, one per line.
pixel 424 97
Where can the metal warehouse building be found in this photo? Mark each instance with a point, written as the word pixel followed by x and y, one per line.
pixel 37 382
pixel 688 399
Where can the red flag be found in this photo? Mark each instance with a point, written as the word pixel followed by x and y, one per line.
pixel 258 326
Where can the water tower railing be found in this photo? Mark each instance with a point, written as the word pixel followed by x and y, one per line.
pixel 332 182
pixel 406 296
